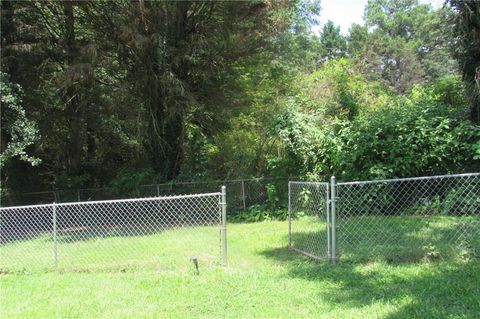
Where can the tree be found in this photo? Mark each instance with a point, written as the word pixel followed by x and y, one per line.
pixel 407 45
pixel 356 39
pixel 394 17
pixel 144 84
pixel 467 49
pixel 333 43
pixel 177 54
pixel 18 132
pixel 126 92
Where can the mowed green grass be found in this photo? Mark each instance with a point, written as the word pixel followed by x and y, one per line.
pixel 391 238
pixel 263 280
pixel 115 250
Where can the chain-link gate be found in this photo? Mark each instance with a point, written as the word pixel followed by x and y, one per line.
pixel 406 219
pixel 148 233
pixel 309 219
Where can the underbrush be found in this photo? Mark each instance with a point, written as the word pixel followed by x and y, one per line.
pixel 259 213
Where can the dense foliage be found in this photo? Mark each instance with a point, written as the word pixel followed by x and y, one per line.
pixel 20 131
pixel 124 93
pixel 422 133
pixel 467 51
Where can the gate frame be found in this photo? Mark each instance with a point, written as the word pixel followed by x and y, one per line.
pixel 330 220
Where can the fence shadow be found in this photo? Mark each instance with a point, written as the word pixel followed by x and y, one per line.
pixel 438 290
pixel 395 239
pixel 82 233
pixel 311 242
pixel 85 233
pixel 407 239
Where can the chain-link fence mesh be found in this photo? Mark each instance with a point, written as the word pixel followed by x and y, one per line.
pixel 32 198
pixel 402 220
pixel 409 219
pixel 243 193
pixel 308 219
pixel 151 233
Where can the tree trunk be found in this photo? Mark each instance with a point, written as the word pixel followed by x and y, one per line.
pixel 73 110
pixel 167 116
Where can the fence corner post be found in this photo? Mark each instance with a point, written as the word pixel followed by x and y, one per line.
pixel 55 235
pixel 223 205
pixel 333 199
pixel 289 218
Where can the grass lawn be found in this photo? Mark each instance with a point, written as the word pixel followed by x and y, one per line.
pixel 263 280
pixel 390 238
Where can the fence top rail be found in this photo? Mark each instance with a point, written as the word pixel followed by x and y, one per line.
pixel 309 183
pixel 409 179
pixel 37 193
pixel 145 199
pixel 192 183
pixel 217 181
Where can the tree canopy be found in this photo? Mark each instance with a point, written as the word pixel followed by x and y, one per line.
pixel 96 93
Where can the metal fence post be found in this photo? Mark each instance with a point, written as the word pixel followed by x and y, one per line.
pixel 54 221
pixel 289 218
pixel 333 199
pixel 329 224
pixel 158 190
pixel 223 204
pixel 243 194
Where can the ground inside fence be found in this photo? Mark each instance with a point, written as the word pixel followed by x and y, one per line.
pixel 168 249
pixel 264 280
pixel 377 238
pixel 390 238
pixel 140 234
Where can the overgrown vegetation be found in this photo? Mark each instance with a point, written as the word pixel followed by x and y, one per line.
pixel 120 93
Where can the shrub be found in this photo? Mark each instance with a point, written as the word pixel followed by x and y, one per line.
pixel 259 213
pixel 458 203
pixel 426 132
pixel 127 182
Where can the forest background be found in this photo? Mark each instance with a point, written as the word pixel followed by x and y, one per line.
pixel 125 93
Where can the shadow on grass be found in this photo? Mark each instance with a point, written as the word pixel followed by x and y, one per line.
pixel 312 242
pixel 85 233
pixel 395 239
pixel 399 276
pixel 434 290
pixel 79 233
pixel 407 239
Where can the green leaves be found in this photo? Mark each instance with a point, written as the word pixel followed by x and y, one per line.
pixel 425 132
pixel 467 46
pixel 404 43
pixel 411 141
pixel 19 131
pixel 476 149
pixel 334 45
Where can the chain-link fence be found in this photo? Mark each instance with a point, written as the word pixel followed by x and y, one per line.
pixel 242 193
pixel 150 233
pixel 393 220
pixel 309 219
